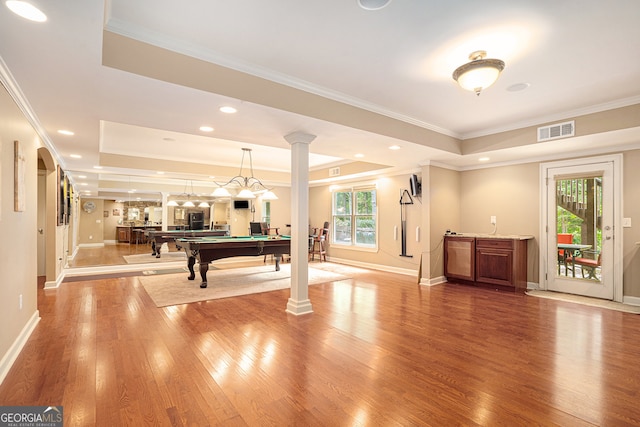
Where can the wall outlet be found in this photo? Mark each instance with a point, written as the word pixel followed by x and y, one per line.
pixel 493 220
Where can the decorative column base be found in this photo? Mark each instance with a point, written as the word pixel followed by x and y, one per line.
pixel 299 307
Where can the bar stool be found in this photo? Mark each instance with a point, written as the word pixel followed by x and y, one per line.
pixel 318 243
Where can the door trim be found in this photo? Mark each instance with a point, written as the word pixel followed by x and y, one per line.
pixel 544 262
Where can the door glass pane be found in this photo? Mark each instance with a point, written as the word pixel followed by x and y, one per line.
pixel 579 227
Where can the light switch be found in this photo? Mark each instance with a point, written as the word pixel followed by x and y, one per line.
pixel 626 222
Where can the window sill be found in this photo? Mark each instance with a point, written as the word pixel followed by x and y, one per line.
pixel 354 248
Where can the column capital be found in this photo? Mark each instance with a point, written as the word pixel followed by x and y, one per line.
pixel 299 137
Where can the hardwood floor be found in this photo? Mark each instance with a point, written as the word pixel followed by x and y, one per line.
pixel 378 350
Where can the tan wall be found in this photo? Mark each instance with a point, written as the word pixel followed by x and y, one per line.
pixel 91 226
pixel 631 236
pixel 443 210
pixel 389 246
pixel 512 195
pixel 18 229
pixel 109 231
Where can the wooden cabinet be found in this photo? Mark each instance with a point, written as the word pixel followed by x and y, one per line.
pixel 459 259
pixel 494 261
pixel 124 234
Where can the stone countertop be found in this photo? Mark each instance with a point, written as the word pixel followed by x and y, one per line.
pixel 493 236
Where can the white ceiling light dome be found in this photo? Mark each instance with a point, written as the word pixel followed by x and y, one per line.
pixel 373 4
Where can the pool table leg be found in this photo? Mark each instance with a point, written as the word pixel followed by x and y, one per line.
pixel 153 250
pixel 204 267
pixel 190 263
pixel 278 257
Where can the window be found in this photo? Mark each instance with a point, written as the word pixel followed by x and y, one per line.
pixel 266 211
pixel 354 217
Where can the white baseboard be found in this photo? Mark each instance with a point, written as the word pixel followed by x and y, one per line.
pixel 387 268
pixel 433 281
pixel 91 245
pixel 12 354
pixel 631 300
pixel 55 284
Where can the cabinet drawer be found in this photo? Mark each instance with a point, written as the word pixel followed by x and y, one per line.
pixel 494 243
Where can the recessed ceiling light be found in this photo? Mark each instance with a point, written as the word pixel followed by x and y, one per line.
pixel 97 167
pixel 75 156
pixel 483 159
pixel 82 176
pixel 206 128
pixel 394 147
pixel 65 132
pixel 359 155
pixel 228 110
pixel 518 87
pixel 160 173
pixel 83 183
pixel 26 10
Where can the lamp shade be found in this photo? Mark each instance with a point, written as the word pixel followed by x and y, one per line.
pixel 269 195
pixel 478 74
pixel 204 204
pixel 221 192
pixel 172 203
pixel 245 193
pixel 188 204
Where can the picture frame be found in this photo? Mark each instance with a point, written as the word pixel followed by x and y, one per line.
pixel 105 214
pixel 19 191
pixel 115 212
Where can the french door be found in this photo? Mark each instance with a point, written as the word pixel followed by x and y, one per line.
pixel 580 223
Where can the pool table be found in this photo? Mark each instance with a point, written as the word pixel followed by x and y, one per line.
pixel 208 249
pixel 157 238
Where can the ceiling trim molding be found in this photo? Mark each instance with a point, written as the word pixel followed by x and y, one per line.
pixel 21 101
pixel 598 108
pixel 124 29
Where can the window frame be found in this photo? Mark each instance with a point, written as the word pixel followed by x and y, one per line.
pixel 353 216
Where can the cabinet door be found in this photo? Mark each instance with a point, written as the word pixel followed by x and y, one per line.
pixel 494 266
pixel 459 260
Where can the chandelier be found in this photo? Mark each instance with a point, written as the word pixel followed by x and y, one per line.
pixel 189 203
pixel 478 74
pixel 249 185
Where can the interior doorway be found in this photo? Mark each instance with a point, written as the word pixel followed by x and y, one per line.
pixel 580 243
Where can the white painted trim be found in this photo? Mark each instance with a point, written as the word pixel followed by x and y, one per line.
pixel 618 209
pixel 631 300
pixel 380 267
pixel 433 281
pixel 14 350
pixel 91 245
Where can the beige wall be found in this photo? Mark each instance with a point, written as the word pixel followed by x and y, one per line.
pixel 443 210
pixel 389 244
pixel 631 236
pixel 109 231
pixel 91 227
pixel 18 230
pixel 512 195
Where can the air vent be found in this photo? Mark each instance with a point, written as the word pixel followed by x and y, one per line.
pixel 559 130
pixel 334 172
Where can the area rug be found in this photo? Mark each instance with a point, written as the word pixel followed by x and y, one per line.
pixel 578 299
pixel 174 289
pixel 148 258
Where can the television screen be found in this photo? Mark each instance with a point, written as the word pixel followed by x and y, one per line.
pixel 415 185
pixel 240 204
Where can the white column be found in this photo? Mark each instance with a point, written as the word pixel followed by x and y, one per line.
pixel 299 302
pixel 165 211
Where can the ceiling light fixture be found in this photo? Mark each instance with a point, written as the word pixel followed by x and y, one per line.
pixel 228 110
pixel 26 10
pixel 249 184
pixel 373 4
pixel 65 132
pixel 478 74
pixel 206 128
